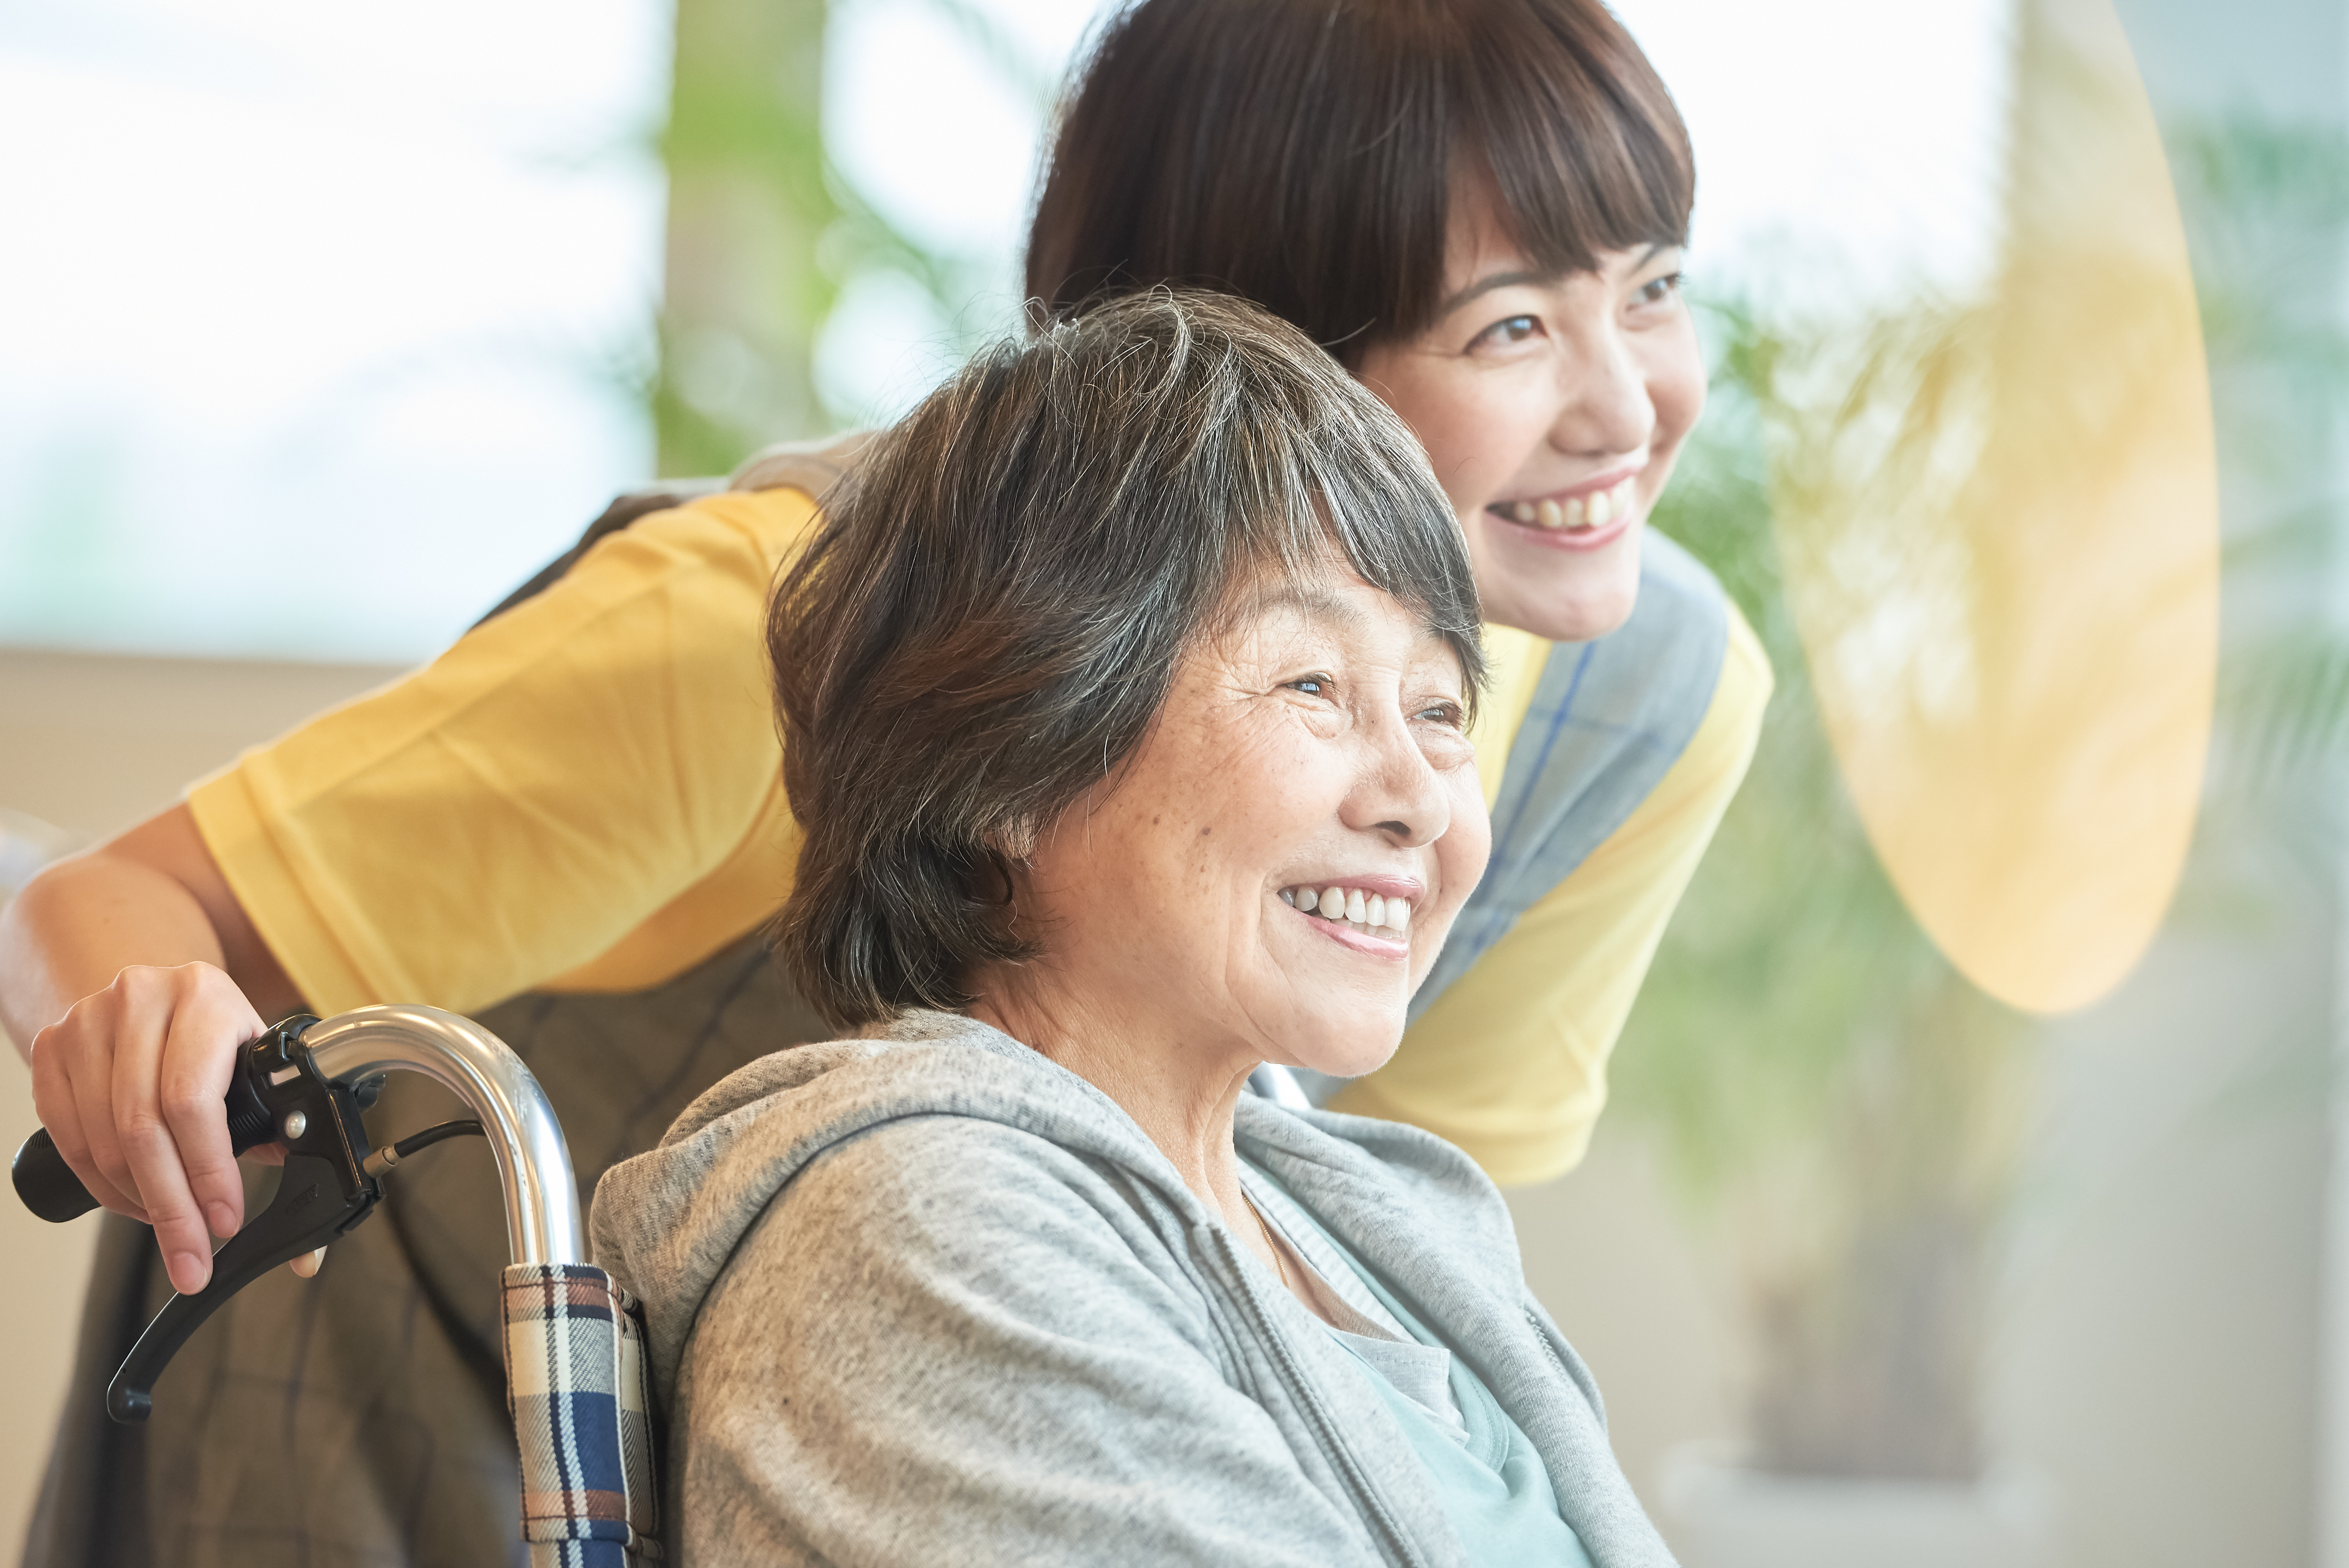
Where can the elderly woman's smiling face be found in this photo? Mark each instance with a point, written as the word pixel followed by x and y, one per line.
pixel 1315 744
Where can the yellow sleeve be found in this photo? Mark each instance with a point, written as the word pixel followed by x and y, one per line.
pixel 1511 1063
pixel 585 790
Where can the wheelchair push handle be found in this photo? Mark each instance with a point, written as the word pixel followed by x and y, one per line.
pixel 50 1188
pixel 304 1082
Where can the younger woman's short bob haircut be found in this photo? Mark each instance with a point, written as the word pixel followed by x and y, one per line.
pixel 1304 153
pixel 996 604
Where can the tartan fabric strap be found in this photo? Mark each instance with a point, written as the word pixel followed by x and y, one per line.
pixel 575 1385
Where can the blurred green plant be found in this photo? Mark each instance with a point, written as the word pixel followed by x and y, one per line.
pixel 765 233
pixel 750 189
pixel 1839 1105
pixel 2278 199
pixel 1821 1079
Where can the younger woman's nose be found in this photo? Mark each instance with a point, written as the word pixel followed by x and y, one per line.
pixel 1604 408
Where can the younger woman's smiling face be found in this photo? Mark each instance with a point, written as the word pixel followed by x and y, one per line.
pixel 1552 407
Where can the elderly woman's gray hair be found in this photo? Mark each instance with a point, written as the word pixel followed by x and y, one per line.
pixel 992 613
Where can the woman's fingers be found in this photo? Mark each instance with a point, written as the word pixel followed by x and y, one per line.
pixel 308 1264
pixel 168 1085
pixel 53 1102
pixel 129 1084
pixel 209 1027
pixel 142 1024
pixel 90 1033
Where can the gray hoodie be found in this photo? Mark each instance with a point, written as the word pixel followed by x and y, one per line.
pixel 932 1298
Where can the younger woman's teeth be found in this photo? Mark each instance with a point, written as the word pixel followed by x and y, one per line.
pixel 1365 913
pixel 1576 514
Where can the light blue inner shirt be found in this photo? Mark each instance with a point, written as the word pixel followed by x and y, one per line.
pixel 1494 1486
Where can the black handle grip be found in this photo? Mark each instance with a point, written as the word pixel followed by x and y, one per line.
pixel 50 1188
pixel 46 1184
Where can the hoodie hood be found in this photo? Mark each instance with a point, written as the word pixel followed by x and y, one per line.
pixel 667 1222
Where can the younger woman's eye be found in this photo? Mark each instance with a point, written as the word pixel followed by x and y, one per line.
pixel 1656 290
pixel 1507 333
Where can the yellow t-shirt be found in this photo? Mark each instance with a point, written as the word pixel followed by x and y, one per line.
pixel 585 793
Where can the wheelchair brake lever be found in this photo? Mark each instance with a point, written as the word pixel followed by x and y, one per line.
pixel 325 1192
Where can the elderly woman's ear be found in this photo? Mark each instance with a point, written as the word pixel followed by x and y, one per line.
pixel 1014 845
pixel 1000 883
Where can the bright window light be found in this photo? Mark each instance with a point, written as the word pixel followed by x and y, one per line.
pixel 322 326
pixel 316 322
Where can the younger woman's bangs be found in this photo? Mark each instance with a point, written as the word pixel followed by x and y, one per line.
pixel 1305 155
pixel 1585 147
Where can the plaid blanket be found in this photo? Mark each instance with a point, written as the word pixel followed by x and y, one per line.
pixel 575 1383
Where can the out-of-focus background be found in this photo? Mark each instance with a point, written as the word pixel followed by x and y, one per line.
pixel 1968 1194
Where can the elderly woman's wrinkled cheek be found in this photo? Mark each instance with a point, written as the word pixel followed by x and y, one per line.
pixel 1274 842
pixel 1166 891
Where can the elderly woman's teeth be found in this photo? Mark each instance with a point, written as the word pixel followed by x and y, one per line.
pixel 1365 913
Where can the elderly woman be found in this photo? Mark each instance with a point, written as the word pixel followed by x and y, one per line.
pixel 1124 695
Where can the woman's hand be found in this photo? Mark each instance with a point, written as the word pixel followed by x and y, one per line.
pixel 129 1084
pixel 129 976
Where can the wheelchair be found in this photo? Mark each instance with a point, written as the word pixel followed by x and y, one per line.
pixel 576 1375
